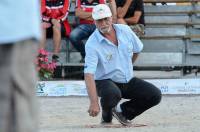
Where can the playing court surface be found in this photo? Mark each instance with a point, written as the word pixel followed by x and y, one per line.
pixel 69 114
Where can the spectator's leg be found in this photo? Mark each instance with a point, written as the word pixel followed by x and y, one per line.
pixel 56 37
pixel 110 96
pixel 45 25
pixel 138 29
pixel 142 94
pixel 153 3
pixel 80 33
pixel 163 3
pixel 43 41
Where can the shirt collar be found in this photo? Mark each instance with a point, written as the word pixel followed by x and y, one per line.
pixel 100 37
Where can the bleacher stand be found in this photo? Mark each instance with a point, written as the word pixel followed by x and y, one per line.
pixel 172 37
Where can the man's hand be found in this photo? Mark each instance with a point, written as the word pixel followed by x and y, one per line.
pixel 91 88
pixel 83 14
pixel 56 23
pixel 94 109
pixel 79 10
pixel 120 12
pixel 46 25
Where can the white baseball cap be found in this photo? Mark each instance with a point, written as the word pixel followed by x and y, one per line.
pixel 101 11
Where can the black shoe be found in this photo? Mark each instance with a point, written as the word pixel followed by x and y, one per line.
pixel 120 117
pixel 82 60
pixel 105 122
pixel 55 58
pixel 106 116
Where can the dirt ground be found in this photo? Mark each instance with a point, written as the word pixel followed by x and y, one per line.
pixel 69 114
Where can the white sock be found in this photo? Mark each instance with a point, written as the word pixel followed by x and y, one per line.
pixel 118 108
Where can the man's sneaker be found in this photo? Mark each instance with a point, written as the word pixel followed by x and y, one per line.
pixel 120 117
pixel 55 58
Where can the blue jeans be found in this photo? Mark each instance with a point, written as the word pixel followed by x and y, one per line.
pixel 80 33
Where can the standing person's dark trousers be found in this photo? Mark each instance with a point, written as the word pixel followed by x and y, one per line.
pixel 143 95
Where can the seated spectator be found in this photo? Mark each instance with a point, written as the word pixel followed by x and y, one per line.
pixel 86 24
pixel 131 12
pixel 113 8
pixel 54 14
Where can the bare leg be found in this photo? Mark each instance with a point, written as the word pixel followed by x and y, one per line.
pixel 56 36
pixel 45 25
pixel 43 41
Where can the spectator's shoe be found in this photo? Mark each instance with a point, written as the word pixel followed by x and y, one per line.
pixel 55 58
pixel 120 117
pixel 82 60
pixel 163 3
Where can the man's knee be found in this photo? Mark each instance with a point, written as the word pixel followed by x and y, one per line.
pixel 110 100
pixel 73 36
pixel 57 28
pixel 156 97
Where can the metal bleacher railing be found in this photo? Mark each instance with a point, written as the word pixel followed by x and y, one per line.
pixel 172 36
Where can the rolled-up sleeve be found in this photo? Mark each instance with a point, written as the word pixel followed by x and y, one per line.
pixel 91 60
pixel 136 42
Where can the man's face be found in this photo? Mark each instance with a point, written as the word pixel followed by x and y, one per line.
pixel 104 25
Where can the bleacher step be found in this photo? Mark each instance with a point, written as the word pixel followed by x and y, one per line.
pixel 163 74
pixel 157 74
